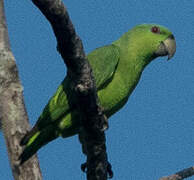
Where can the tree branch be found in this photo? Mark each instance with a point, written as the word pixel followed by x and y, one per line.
pixel 183 174
pixel 13 115
pixel 83 85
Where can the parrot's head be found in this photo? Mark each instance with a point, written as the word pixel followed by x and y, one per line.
pixel 151 41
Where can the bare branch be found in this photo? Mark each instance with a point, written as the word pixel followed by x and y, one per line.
pixel 83 85
pixel 185 173
pixel 13 115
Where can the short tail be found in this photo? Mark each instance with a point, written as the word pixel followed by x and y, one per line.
pixel 34 140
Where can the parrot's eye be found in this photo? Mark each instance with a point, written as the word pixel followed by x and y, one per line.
pixel 155 29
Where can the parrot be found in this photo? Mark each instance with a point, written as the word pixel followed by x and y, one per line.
pixel 117 69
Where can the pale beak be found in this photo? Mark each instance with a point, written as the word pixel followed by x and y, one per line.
pixel 167 47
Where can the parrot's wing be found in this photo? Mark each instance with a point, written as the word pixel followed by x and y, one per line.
pixel 104 61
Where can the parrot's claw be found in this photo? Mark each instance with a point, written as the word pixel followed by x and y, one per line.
pixel 84 167
pixel 109 169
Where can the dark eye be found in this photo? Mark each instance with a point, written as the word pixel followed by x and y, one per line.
pixel 155 29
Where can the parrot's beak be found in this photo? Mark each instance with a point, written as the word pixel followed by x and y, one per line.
pixel 170 45
pixel 167 47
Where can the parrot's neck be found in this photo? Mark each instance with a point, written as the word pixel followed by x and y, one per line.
pixel 132 64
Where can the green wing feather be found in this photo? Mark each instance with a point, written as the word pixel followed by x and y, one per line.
pixel 60 107
pixel 104 61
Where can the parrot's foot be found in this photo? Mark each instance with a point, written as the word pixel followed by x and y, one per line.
pixel 83 167
pixel 109 169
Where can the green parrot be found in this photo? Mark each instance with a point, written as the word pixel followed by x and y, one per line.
pixel 117 69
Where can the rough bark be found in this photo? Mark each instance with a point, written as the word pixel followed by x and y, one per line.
pixel 183 174
pixel 13 115
pixel 83 85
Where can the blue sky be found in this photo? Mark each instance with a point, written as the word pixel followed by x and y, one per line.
pixel 152 136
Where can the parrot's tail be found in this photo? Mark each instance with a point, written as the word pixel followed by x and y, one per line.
pixel 34 140
pixel 28 135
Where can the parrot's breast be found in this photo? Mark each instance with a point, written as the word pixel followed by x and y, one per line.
pixel 115 95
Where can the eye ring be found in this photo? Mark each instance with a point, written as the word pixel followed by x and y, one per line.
pixel 155 29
